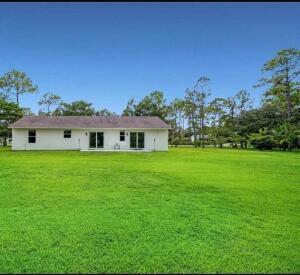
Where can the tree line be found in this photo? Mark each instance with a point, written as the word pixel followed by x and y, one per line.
pixel 208 120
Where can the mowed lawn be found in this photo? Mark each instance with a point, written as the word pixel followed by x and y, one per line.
pixel 186 210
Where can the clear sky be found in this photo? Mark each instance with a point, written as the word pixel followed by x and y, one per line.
pixel 106 53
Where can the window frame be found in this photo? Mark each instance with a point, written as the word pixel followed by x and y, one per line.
pixel 70 131
pixel 31 136
pixel 122 135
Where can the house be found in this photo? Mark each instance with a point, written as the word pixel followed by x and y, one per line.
pixel 89 133
pixel 199 137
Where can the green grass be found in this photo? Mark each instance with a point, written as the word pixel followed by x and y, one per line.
pixel 186 210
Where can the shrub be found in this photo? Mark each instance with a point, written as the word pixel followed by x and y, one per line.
pixel 262 140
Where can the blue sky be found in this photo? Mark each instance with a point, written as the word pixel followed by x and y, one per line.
pixel 106 53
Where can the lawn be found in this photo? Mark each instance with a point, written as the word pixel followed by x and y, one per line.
pixel 186 210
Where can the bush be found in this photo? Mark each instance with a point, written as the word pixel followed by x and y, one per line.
pixel 286 136
pixel 262 140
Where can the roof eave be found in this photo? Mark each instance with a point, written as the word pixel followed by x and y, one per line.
pixel 66 127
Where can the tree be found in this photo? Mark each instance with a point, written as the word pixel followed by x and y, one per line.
pixel 244 101
pixel 152 105
pixel 262 140
pixel 130 108
pixel 254 124
pixel 16 83
pixel 283 82
pixel 216 115
pixel 76 108
pixel 203 92
pixel 191 112
pixel 27 111
pixel 235 106
pixel 9 113
pixel 216 111
pixel 176 119
pixel 286 136
pixel 105 112
pixel 266 116
pixel 48 100
pixel 196 107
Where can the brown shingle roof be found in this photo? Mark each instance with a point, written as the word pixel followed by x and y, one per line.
pixel 90 122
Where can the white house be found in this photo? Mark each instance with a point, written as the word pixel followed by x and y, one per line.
pixel 89 133
pixel 199 137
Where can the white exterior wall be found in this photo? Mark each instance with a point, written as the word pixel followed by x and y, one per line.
pixel 53 139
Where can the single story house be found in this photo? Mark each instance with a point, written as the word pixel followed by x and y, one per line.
pixel 89 133
pixel 199 137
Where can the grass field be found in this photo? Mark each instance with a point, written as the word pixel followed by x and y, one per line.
pixel 186 210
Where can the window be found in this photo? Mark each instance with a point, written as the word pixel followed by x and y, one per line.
pixel 31 136
pixel 122 135
pixel 67 133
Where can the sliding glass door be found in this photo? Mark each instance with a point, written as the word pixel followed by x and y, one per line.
pixel 133 140
pixel 93 136
pixel 100 140
pixel 137 140
pixel 96 140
